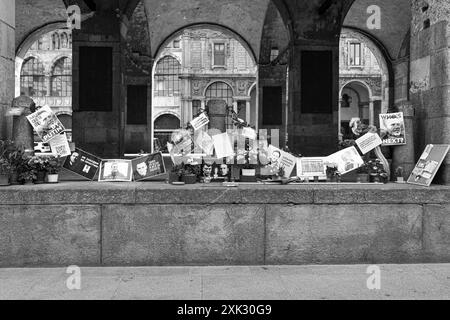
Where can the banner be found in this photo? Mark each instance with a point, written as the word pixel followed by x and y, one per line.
pixel 428 165
pixel 392 129
pixel 149 166
pixel 46 124
pixel 83 164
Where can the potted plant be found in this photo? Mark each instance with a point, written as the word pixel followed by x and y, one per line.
pixel 399 174
pixel 16 158
pixel 363 173
pixel 27 172
pixel 175 174
pixel 5 170
pixel 39 166
pixel 190 174
pixel 333 174
pixel 53 166
pixel 377 172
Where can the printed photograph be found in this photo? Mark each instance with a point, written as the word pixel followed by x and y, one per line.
pixel 116 171
pixel 148 167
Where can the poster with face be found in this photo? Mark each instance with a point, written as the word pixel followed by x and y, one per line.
pixel 347 160
pixel 147 167
pixel 83 164
pixel 115 171
pixel 278 159
pixel 220 172
pixel 46 124
pixel 392 128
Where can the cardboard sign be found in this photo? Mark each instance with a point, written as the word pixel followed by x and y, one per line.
pixel 60 146
pixel 199 122
pixel 392 128
pixel 368 142
pixel 149 166
pixel 428 165
pixel 279 159
pixel 83 164
pixel 347 160
pixel 115 170
pixel 46 124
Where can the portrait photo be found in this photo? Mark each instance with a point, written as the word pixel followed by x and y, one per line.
pixel 116 171
pixel 83 164
pixel 149 166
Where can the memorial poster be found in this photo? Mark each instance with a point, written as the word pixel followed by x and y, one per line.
pixel 346 160
pixel 60 146
pixel 115 170
pixel 149 166
pixel 392 129
pixel 368 142
pixel 83 164
pixel 428 165
pixel 46 124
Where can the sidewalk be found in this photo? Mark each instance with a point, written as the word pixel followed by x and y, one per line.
pixel 234 283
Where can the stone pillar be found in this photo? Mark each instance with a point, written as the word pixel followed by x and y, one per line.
pixel 22 132
pixel 404 156
pixel 7 54
pixel 430 76
pixel 313 133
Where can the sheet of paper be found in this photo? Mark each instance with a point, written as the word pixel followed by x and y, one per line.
pixel 60 146
pixel 222 145
pixel 205 142
pixel 200 122
pixel 46 124
pixel 368 142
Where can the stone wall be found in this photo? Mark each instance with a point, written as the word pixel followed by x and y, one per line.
pixel 430 76
pixel 91 224
pixel 7 48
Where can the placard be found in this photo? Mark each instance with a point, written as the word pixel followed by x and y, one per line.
pixel 46 124
pixel 347 160
pixel 83 164
pixel 199 122
pixel 115 170
pixel 60 146
pixel 368 142
pixel 428 165
pixel 311 168
pixel 392 129
pixel 149 166
pixel 279 159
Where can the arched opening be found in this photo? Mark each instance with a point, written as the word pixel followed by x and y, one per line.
pixel 364 80
pixel 61 78
pixel 204 67
pixel 165 125
pixel 32 78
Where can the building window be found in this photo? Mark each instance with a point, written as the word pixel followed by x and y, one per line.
pixel 64 40
pixel 220 91
pixel 56 41
pixel 355 56
pixel 274 52
pixel 165 125
pixel 176 43
pixel 196 107
pixel 32 79
pixel 219 54
pixel 62 78
pixel 167 77
pixel 137 105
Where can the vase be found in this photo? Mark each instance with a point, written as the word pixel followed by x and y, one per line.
pixel 15 178
pixel 53 178
pixel 173 177
pixel 40 177
pixel 4 180
pixel 363 178
pixel 190 179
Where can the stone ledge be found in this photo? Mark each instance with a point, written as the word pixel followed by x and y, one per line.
pixel 161 193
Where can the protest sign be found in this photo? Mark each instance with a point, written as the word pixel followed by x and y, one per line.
pixel 115 171
pixel 83 164
pixel 60 146
pixel 149 166
pixel 428 165
pixel 346 160
pixel 368 142
pixel 199 122
pixel 392 129
pixel 46 124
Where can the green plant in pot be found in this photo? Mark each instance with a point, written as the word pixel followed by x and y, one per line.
pixel 53 167
pixel 16 158
pixel 363 173
pixel 332 171
pixel 38 164
pixel 377 172
pixel 190 174
pixel 27 172
pixel 175 173
pixel 5 164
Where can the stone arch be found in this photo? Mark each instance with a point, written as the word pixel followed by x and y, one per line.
pixel 227 82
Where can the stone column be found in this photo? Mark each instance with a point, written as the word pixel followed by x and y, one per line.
pixel 404 156
pixel 7 54
pixel 430 76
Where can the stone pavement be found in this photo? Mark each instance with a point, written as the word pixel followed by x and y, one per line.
pixel 230 283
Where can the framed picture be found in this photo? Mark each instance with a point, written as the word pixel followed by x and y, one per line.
pixel 83 164
pixel 149 166
pixel 428 165
pixel 116 171
pixel 221 172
